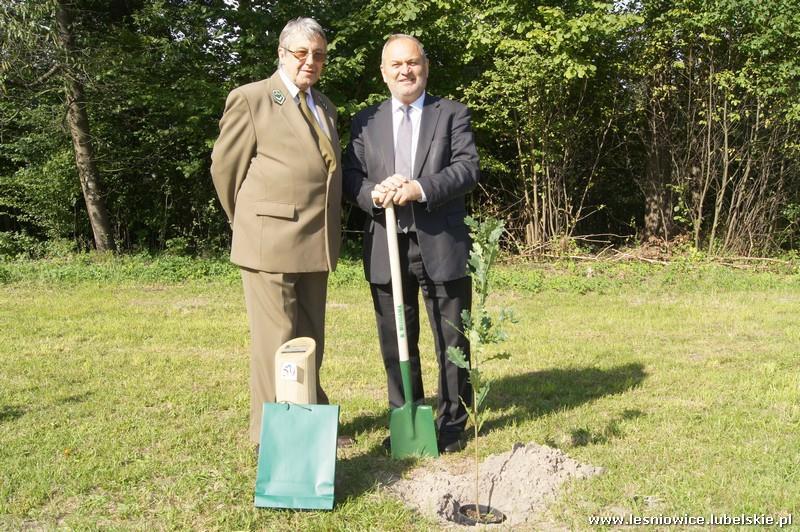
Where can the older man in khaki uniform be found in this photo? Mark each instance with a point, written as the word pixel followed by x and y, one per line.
pixel 277 171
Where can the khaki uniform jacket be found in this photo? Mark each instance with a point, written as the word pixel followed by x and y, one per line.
pixel 271 179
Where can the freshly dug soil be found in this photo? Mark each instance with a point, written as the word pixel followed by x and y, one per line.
pixel 520 483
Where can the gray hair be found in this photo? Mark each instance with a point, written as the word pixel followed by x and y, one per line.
pixel 398 36
pixel 307 27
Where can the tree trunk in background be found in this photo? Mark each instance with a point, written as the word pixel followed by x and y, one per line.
pixel 657 204
pixel 657 210
pixel 81 141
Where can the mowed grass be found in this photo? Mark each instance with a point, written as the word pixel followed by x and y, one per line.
pixel 124 394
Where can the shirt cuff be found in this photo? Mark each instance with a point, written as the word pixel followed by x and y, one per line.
pixel 424 198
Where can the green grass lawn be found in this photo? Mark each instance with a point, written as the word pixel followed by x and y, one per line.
pixel 124 394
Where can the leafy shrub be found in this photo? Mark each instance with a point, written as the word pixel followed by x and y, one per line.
pixel 18 245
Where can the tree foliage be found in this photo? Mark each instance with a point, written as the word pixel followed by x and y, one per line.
pixel 717 100
pixel 642 118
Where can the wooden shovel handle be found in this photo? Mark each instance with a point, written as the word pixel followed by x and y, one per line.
pixel 397 283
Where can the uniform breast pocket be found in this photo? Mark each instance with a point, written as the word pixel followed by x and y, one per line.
pixel 269 180
pixel 273 209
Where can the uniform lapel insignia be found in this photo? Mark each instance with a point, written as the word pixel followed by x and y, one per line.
pixel 278 96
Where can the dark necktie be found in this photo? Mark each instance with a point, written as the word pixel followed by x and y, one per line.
pixel 402 165
pixel 325 146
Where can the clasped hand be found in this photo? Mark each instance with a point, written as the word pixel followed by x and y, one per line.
pixel 396 189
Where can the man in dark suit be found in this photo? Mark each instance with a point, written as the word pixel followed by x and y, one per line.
pixel 417 151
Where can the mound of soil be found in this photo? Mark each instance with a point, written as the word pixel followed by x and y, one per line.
pixel 520 483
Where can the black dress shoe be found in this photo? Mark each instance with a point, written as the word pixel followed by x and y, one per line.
pixel 451 443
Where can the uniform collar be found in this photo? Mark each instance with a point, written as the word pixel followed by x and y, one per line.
pixel 290 86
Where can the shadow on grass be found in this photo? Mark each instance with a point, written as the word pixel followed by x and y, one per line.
pixel 359 474
pixel 365 423
pixel 583 436
pixel 11 412
pixel 355 475
pixel 75 398
pixel 532 394
pixel 538 393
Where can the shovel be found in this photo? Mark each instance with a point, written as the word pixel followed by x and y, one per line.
pixel 411 428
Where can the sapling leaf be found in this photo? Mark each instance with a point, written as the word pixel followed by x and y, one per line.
pixel 500 336
pixel 466 319
pixel 497 232
pixel 471 415
pixel 482 418
pixel 482 393
pixel 507 315
pixel 453 325
pixel 475 379
pixel 473 263
pixel 457 357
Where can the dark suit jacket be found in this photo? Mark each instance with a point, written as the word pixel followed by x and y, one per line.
pixel 446 165
pixel 283 204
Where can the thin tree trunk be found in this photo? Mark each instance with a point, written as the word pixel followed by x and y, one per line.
pixel 656 223
pixel 708 154
pixel 537 227
pixel 720 198
pixel 740 192
pixel 81 141
pixel 529 217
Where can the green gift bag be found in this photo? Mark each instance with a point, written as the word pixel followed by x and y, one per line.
pixel 297 457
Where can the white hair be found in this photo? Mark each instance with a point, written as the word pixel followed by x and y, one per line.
pixel 307 27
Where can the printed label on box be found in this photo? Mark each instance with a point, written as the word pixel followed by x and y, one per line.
pixel 289 371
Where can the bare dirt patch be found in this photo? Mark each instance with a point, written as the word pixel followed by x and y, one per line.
pixel 520 483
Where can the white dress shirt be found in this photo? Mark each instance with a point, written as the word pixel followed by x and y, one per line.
pixel 294 92
pixel 415 114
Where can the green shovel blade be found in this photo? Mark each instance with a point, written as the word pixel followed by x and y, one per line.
pixel 411 428
pixel 412 432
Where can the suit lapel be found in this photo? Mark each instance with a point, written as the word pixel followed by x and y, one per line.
pixel 427 126
pixel 385 136
pixel 290 111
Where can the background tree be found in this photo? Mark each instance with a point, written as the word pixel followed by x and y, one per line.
pixel 595 121
pixel 716 95
pixel 546 110
pixel 53 56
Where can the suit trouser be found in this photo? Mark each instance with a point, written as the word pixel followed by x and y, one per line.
pixel 280 307
pixel 444 302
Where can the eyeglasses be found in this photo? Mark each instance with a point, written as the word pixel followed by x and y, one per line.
pixel 301 55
